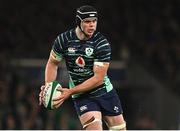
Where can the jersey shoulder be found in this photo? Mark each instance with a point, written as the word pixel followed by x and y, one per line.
pixel 100 39
pixel 64 38
pixel 99 36
pixel 67 35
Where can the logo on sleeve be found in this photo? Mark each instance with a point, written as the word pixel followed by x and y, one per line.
pixel 89 51
pixel 80 61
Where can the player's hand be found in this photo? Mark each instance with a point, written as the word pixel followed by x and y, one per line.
pixel 41 95
pixel 60 99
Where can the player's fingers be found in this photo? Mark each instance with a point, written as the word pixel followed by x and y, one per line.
pixel 41 98
pixel 60 88
pixel 42 87
pixel 58 98
pixel 40 94
pixel 59 104
pixel 55 103
pixel 40 101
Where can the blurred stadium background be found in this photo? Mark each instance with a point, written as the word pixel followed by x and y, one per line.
pixel 145 39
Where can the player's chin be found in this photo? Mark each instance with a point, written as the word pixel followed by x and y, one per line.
pixel 90 33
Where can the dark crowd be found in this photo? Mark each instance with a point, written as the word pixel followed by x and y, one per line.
pixel 142 32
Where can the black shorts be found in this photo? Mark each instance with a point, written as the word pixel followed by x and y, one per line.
pixel 108 104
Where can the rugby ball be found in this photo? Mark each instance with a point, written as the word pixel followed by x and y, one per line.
pixel 49 93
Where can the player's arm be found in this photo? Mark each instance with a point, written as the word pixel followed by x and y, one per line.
pixel 56 55
pixel 50 72
pixel 51 68
pixel 100 70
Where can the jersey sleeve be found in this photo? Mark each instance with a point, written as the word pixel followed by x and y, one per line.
pixel 103 51
pixel 57 50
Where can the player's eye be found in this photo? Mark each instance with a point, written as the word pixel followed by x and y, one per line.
pixel 89 21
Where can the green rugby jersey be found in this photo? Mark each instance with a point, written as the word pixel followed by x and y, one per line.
pixel 80 56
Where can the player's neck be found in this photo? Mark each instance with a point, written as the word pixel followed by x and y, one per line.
pixel 80 34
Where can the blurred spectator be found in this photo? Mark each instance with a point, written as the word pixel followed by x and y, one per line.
pixel 144 123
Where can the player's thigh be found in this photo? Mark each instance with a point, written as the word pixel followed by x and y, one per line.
pixel 114 120
pixel 91 120
pixel 86 116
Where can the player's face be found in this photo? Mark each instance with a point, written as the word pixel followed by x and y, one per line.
pixel 89 25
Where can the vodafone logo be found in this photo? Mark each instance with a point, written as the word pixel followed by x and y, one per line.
pixel 80 61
